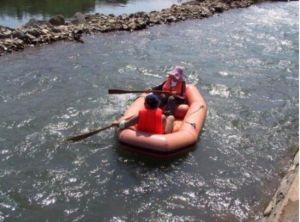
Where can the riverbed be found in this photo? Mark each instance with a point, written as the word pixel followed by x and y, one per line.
pixel 244 61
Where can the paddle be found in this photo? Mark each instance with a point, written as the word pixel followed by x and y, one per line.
pixel 93 132
pixel 88 134
pixel 121 91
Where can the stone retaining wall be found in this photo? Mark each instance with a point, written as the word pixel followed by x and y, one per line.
pixel 44 32
pixel 284 206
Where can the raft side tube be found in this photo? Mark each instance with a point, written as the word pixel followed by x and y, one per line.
pixel 186 135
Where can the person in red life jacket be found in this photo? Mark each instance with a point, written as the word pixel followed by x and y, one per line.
pixel 175 87
pixel 150 119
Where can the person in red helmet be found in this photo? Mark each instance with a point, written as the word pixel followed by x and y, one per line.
pixel 150 119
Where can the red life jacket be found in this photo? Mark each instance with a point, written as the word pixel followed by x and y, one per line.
pixel 179 88
pixel 150 120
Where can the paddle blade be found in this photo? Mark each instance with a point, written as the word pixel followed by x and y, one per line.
pixel 88 134
pixel 81 136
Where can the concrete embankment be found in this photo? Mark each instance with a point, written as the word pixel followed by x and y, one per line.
pixel 284 206
pixel 44 32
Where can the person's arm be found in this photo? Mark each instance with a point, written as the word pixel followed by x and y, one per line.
pixel 183 89
pixel 127 123
pixel 181 98
pixel 159 87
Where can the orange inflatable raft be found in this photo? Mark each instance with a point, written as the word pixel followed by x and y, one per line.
pixel 189 120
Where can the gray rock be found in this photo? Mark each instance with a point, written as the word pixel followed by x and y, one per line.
pixel 57 20
pixel 78 18
pixel 5 34
pixel 34 32
pixel 19 34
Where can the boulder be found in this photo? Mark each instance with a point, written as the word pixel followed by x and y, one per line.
pixel 34 32
pixel 78 18
pixel 5 34
pixel 19 34
pixel 57 20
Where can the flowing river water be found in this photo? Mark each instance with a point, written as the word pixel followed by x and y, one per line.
pixel 246 64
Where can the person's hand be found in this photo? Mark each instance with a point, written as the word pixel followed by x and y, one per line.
pixel 115 123
pixel 122 124
pixel 148 90
pixel 163 96
pixel 119 124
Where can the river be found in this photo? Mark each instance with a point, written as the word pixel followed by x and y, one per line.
pixel 244 61
pixel 16 13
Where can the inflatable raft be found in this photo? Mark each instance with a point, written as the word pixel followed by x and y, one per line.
pixel 189 120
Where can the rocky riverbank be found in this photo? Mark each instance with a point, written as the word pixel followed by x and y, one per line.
pixel 284 205
pixel 36 33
